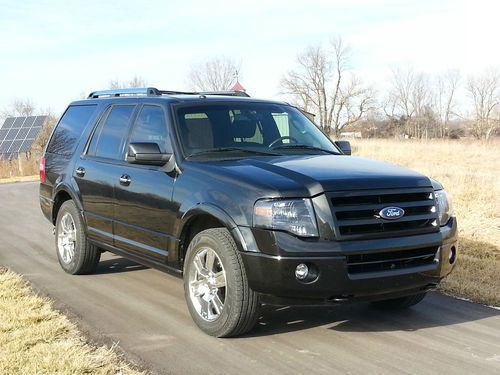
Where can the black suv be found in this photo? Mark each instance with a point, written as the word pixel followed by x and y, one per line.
pixel 247 199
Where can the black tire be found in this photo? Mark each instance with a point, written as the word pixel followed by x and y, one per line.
pixel 86 256
pixel 241 308
pixel 399 303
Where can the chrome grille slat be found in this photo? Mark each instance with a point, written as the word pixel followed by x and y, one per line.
pixel 356 207
pixel 382 221
pixel 355 213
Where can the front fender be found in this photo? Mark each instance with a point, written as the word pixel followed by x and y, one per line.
pixel 210 209
pixel 242 241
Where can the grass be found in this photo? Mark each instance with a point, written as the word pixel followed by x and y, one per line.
pixel 36 339
pixel 470 171
pixel 9 180
pixel 19 167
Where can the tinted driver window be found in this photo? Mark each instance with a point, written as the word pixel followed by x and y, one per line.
pixel 108 138
pixel 150 127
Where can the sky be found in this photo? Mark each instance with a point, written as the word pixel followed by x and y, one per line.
pixel 53 52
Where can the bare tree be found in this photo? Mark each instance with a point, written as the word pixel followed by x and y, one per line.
pixel 484 90
pixel 215 74
pixel 400 96
pixel 323 84
pixel 307 84
pixel 446 88
pixel 44 135
pixel 19 108
pixel 411 101
pixel 136 81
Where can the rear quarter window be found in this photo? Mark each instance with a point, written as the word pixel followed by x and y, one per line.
pixel 70 128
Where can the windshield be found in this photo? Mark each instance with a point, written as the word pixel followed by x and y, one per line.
pixel 246 129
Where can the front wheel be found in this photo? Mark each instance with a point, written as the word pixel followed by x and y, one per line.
pixel 399 303
pixel 218 296
pixel 76 255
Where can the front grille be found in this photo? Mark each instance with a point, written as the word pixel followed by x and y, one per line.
pixel 356 213
pixel 394 260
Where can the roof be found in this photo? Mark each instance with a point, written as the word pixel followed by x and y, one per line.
pixel 154 94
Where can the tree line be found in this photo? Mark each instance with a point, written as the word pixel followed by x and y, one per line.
pixel 416 104
pixel 322 82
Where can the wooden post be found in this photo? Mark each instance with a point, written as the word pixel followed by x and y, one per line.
pixel 20 163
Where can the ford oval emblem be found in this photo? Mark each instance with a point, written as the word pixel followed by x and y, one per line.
pixel 391 213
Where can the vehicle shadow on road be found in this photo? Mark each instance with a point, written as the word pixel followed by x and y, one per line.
pixel 116 265
pixel 435 311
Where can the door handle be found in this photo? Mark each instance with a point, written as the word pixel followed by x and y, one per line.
pixel 125 179
pixel 80 171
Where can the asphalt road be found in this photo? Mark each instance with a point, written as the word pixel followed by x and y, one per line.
pixel 143 310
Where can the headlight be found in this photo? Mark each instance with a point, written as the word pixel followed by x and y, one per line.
pixel 292 215
pixel 444 207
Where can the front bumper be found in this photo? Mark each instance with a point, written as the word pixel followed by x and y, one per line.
pixel 272 273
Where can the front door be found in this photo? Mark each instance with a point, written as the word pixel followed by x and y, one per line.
pixel 143 210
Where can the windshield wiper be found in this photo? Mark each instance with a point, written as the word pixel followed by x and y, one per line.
pixel 229 149
pixel 305 147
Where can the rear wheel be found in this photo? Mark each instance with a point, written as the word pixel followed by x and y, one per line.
pixel 399 303
pixel 76 255
pixel 216 287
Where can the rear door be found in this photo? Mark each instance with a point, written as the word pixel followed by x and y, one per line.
pixel 97 170
pixel 61 148
pixel 144 214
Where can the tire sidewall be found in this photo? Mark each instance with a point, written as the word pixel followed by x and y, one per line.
pixel 75 264
pixel 233 275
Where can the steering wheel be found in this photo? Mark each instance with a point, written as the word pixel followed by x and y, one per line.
pixel 281 139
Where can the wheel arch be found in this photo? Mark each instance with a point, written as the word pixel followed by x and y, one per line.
pixel 62 194
pixel 202 217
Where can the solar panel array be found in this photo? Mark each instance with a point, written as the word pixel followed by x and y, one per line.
pixel 17 135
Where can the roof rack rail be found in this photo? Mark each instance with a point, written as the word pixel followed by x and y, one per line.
pixel 149 91
pixel 152 91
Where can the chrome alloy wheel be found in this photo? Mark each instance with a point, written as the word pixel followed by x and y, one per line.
pixel 207 284
pixel 66 238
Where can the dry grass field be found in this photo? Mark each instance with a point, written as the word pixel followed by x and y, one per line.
pixel 35 339
pixel 19 167
pixel 470 171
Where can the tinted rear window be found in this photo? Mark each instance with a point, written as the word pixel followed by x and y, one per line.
pixel 70 128
pixel 108 139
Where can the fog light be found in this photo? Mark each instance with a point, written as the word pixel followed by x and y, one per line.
pixel 301 271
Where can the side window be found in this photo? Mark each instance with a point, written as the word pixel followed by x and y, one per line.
pixel 108 138
pixel 151 127
pixel 69 129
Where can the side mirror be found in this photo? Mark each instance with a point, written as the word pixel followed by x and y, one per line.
pixel 146 153
pixel 345 147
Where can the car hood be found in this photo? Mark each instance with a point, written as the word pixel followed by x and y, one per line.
pixel 314 174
